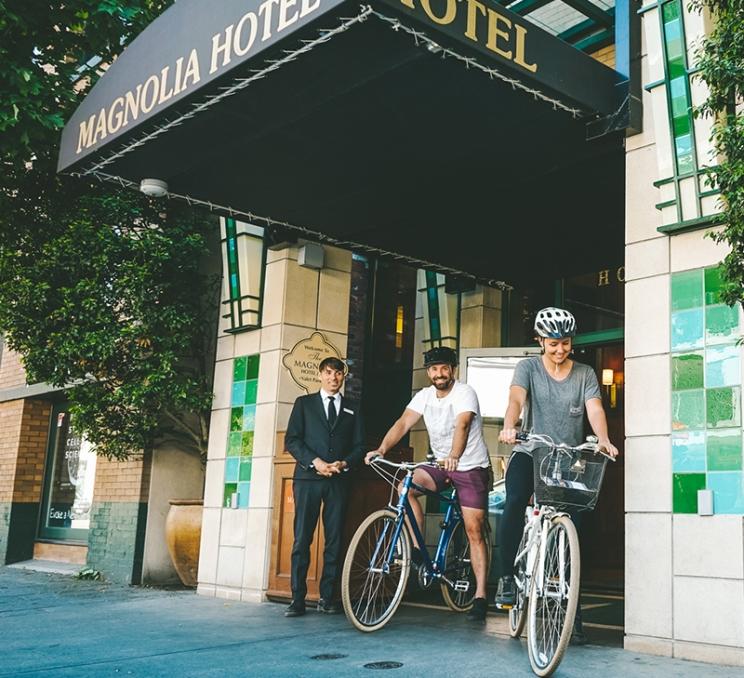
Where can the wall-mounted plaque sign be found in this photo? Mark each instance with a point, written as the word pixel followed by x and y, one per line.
pixel 303 360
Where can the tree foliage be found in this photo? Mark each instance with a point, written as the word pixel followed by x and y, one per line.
pixel 721 62
pixel 101 290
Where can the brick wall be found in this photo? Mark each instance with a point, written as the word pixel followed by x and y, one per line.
pixel 11 415
pixel 118 518
pixel 11 370
pixel 24 427
pixel 122 481
pixel 32 447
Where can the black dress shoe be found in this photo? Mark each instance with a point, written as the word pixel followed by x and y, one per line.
pixel 328 607
pixel 295 609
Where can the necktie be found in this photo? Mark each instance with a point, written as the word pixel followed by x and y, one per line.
pixel 331 411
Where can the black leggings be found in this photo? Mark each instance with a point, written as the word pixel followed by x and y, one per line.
pixel 519 488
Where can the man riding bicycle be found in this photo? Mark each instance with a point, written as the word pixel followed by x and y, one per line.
pixel 553 391
pixel 452 416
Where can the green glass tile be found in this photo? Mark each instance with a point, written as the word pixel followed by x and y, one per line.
pixel 688 451
pixel 688 410
pixel 249 418
pixel 721 323
pixel 246 449
pixel 231 470
pixel 687 329
pixel 238 393
pixel 251 371
pixel 684 491
pixel 713 285
pixel 723 407
pixel 246 466
pixel 687 290
pixel 236 419
pixel 722 366
pixel 251 388
pixel 728 492
pixel 687 371
pixel 230 488
pixel 724 450
pixel 239 368
pixel 244 493
pixel 234 443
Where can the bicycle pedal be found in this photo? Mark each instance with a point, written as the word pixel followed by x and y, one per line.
pixel 499 606
pixel 462 585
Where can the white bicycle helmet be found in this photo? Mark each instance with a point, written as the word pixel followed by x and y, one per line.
pixel 555 323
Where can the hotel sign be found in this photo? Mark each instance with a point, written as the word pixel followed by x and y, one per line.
pixel 195 43
pixel 190 45
pixel 304 359
pixel 523 50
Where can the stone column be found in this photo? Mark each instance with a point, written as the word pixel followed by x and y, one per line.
pixel 237 542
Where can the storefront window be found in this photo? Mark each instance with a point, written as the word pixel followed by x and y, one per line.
pixel 69 479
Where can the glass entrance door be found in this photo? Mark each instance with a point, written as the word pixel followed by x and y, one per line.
pixel 68 481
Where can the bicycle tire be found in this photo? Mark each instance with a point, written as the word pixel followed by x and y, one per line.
pixel 458 550
pixel 550 625
pixel 370 599
pixel 518 613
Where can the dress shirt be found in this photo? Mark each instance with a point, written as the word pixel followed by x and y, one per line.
pixel 336 401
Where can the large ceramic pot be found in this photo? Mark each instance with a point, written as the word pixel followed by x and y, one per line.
pixel 183 535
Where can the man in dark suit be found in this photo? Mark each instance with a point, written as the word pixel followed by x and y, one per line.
pixel 325 436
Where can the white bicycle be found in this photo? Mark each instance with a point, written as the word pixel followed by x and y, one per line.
pixel 547 566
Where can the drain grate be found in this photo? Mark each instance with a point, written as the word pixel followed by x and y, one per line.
pixel 383 665
pixel 329 655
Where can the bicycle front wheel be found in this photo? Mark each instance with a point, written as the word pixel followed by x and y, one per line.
pixel 554 597
pixel 375 571
pixel 518 613
pixel 459 569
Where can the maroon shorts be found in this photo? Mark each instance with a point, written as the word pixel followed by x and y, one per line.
pixel 472 486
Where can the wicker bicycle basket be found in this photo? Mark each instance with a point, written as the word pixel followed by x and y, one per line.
pixel 568 479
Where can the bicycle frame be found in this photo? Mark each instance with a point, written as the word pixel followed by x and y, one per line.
pixel 434 568
pixel 537 529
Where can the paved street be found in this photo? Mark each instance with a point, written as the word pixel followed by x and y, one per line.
pixel 53 625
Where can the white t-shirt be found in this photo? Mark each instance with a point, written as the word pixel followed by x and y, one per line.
pixel 439 417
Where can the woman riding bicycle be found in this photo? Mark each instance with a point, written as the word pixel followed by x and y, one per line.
pixel 553 391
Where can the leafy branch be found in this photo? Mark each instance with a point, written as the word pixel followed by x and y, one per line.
pixel 720 58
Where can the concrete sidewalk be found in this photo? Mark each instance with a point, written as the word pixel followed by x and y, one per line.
pixel 53 625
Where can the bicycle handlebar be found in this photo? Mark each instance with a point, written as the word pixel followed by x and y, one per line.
pixel 589 446
pixel 407 465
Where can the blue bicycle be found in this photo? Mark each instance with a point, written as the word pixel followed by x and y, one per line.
pixel 378 562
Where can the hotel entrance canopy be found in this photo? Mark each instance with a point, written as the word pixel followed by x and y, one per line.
pixel 450 132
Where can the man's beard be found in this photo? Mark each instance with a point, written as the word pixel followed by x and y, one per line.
pixel 443 385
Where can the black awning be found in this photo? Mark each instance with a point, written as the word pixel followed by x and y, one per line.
pixel 361 127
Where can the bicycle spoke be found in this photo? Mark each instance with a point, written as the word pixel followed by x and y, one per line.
pixel 375 572
pixel 553 605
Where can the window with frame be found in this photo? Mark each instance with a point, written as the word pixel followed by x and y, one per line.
pixel 244 266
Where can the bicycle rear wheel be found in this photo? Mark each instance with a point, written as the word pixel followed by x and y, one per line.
pixel 553 608
pixel 375 571
pixel 518 613
pixel 458 567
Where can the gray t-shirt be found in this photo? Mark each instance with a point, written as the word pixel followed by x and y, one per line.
pixel 554 408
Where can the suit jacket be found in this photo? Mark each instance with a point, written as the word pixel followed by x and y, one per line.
pixel 309 435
